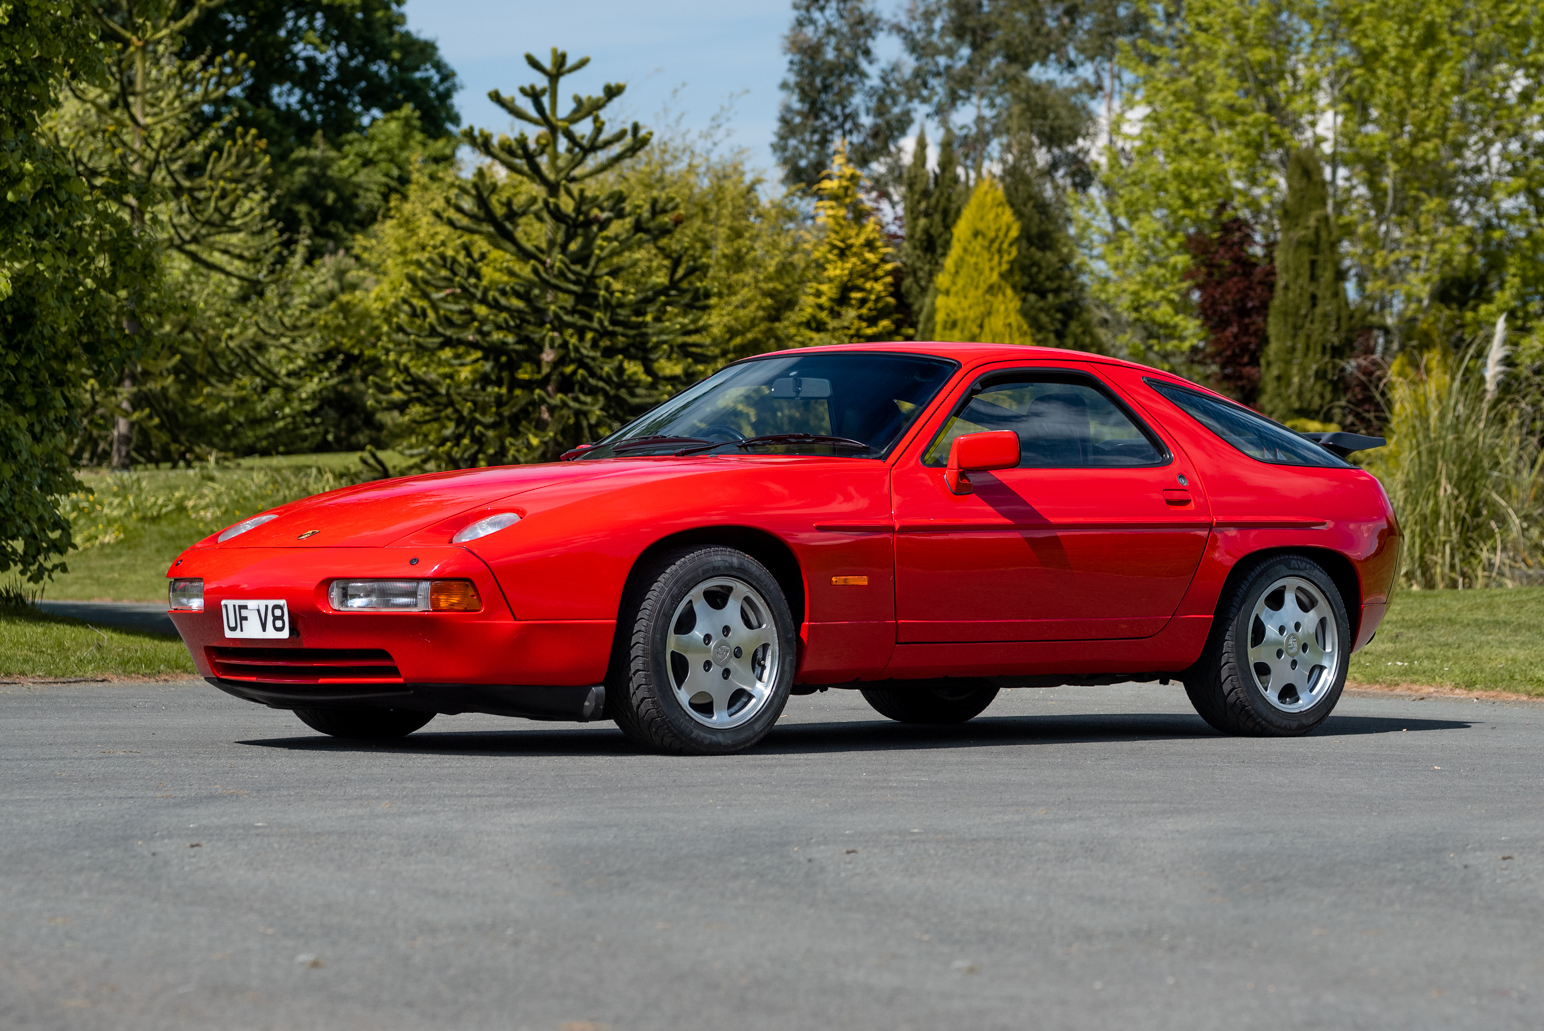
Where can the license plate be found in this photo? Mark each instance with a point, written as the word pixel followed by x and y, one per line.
pixel 255 617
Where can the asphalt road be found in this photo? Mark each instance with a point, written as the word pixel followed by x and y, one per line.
pixel 1080 858
pixel 147 616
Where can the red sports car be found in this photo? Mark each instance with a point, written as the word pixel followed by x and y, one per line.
pixel 926 523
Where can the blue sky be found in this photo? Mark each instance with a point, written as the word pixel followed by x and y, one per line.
pixel 691 56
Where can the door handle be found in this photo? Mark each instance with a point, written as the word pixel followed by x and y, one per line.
pixel 1176 497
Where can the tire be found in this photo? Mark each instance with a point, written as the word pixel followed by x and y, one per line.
pixel 364 724
pixel 678 682
pixel 931 701
pixel 1276 661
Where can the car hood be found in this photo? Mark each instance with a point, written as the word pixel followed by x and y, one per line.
pixel 384 512
pixel 378 513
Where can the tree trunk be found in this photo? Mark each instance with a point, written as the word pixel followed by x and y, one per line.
pixel 123 428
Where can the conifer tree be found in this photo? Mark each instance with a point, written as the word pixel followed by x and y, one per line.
pixel 933 202
pixel 976 299
pixel 190 186
pixel 572 334
pixel 1309 325
pixel 1045 275
pixel 851 295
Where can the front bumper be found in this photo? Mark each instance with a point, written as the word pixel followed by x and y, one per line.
pixel 583 703
pixel 485 661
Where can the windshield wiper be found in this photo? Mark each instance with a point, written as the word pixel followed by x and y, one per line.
pixel 657 440
pixel 779 438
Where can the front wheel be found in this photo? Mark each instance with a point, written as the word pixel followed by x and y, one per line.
pixel 931 701
pixel 1276 661
pixel 706 654
pixel 364 724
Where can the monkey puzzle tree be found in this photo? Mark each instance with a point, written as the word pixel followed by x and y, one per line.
pixel 585 314
pixel 190 187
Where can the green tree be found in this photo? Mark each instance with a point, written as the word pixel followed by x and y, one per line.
pixel 318 74
pixel 141 137
pixel 754 244
pixel 852 286
pixel 194 190
pixel 557 343
pixel 835 91
pixel 65 256
pixel 993 69
pixel 334 188
pixel 932 204
pixel 1309 325
pixel 1045 272
pixel 1426 115
pixel 324 66
pixel 976 299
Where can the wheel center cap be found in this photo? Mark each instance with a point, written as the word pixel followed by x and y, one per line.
pixel 721 653
pixel 1293 644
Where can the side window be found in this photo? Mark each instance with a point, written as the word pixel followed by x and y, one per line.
pixel 1063 422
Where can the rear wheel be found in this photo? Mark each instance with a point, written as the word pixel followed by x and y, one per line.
pixel 706 652
pixel 1276 662
pixel 931 701
pixel 364 724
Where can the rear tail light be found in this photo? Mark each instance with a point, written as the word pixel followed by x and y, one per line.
pixel 404 596
pixel 186 595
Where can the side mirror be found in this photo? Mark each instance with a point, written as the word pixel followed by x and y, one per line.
pixel 979 452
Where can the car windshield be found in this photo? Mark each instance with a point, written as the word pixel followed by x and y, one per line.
pixel 1254 435
pixel 854 404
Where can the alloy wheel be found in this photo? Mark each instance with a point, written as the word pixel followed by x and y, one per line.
pixel 1294 644
pixel 723 652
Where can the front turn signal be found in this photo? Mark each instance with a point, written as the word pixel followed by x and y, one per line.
pixel 453 596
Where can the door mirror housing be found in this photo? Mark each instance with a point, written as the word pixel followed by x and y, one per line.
pixel 979 452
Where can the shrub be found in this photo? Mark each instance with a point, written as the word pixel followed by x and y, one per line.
pixel 1464 471
pixel 206 497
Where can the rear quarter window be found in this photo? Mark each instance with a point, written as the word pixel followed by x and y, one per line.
pixel 1255 435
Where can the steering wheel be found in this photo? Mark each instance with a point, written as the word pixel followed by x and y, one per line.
pixel 716 430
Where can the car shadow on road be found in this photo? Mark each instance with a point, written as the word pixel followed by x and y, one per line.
pixel 847 736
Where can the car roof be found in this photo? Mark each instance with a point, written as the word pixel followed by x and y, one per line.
pixel 966 353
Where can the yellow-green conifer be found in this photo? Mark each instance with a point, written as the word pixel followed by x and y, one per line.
pixel 851 295
pixel 976 300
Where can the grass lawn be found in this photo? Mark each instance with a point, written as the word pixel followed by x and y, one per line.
pixel 36 645
pixel 156 513
pixel 1485 639
pixel 133 569
pixel 135 524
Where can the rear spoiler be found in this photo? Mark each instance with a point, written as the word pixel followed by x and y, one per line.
pixel 1342 444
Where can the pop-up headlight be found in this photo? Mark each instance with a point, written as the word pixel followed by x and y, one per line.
pixel 483 527
pixel 242 527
